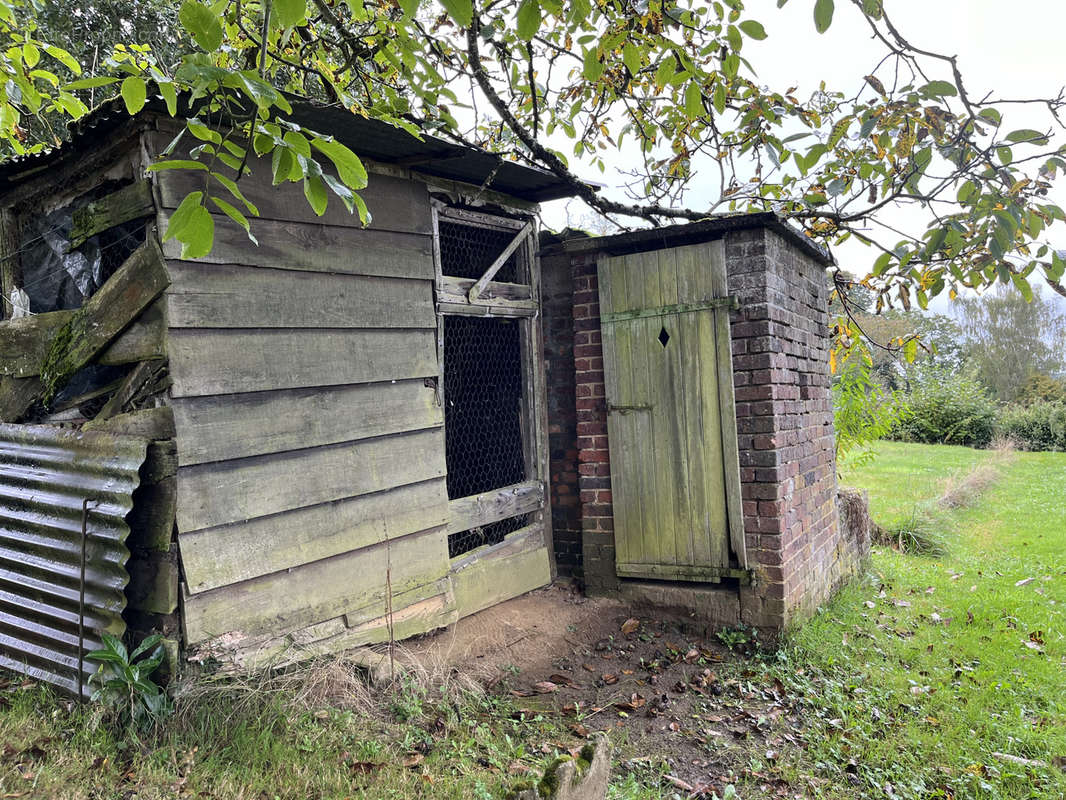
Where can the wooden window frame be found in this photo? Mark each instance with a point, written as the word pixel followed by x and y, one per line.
pixel 520 301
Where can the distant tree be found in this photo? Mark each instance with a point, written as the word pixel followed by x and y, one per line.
pixel 1011 340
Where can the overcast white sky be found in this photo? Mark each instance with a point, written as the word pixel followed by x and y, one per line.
pixel 1013 49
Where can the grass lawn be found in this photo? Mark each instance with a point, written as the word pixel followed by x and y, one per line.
pixel 907 685
pixel 916 676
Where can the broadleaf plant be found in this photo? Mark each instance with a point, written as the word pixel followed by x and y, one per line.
pixel 664 86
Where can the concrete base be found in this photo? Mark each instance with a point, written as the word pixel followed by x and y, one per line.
pixel 714 605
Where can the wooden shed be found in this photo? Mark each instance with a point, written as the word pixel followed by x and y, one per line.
pixel 335 437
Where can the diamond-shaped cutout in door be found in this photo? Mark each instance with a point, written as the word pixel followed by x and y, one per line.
pixel 664 337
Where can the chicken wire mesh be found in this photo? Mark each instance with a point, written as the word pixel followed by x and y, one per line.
pixel 482 417
pixel 466 251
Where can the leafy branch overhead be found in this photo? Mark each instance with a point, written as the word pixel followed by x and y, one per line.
pixel 665 87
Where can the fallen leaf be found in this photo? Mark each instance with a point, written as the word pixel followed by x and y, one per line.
pixel 364 767
pixel 545 687
pixel 413 759
pixel 692 655
pixel 588 667
pixel 1024 581
pixel 579 730
pixel 870 604
pixel 564 680
pixel 610 679
pixel 632 704
pixel 630 626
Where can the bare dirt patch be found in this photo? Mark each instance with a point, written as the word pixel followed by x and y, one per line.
pixel 666 690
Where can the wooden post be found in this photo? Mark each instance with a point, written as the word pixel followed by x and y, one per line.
pixel 10 263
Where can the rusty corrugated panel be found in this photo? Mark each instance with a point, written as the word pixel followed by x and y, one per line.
pixel 46 474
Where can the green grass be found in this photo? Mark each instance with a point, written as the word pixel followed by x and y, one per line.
pixel 915 676
pixel 902 687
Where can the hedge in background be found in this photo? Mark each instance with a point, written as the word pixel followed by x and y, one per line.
pixel 1040 426
pixel 947 407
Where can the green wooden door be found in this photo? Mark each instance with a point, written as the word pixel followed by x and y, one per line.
pixel 670 414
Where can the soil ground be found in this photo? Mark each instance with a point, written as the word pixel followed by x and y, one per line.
pixel 651 683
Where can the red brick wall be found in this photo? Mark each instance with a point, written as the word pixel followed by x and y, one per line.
pixel 784 420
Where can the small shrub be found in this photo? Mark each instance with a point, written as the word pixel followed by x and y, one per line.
pixel 123 683
pixel 1039 426
pixel 947 408
pixel 917 536
pixel 862 411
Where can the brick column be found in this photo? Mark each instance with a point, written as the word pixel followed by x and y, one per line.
pixel 594 467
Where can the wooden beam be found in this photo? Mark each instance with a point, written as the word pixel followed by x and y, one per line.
pixel 148 423
pixel 138 377
pixel 482 509
pixel 127 204
pixel 10 263
pixel 501 259
pixel 139 281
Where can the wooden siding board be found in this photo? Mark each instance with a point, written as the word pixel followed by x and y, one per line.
pixel 315 248
pixel 243 425
pixel 233 296
pixel 234 491
pixel 395 204
pixel 493 580
pixel 233 553
pixel 305 595
pixel 212 361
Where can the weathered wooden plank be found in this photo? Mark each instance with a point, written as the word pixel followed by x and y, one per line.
pixel 220 556
pixel 241 653
pixel 136 379
pixel 519 239
pixel 302 596
pixel 122 298
pixel 144 340
pixel 234 491
pixel 490 581
pixel 216 361
pixel 17 395
pixel 155 507
pixel 148 423
pixel 153 586
pixel 457 289
pixel 466 513
pixel 395 204
pixel 128 203
pixel 228 296
pixel 714 511
pixel 25 342
pixel 242 425
pixel 494 308
pixel 10 260
pixel 316 248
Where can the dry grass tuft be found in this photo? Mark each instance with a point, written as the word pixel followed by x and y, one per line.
pixel 959 493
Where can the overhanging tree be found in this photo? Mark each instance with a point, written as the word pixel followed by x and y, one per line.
pixel 560 84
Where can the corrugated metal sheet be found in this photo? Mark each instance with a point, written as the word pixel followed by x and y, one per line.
pixel 367 137
pixel 46 474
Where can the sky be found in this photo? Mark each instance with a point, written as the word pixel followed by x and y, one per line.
pixel 1013 49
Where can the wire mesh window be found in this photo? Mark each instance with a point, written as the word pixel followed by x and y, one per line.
pixel 482 417
pixel 467 251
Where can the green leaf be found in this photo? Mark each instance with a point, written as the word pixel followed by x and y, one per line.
pixel 231 186
pixel 693 101
pixel 939 89
pixel 529 18
pixel 199 235
pixel 63 57
pixel 1028 136
pixel 872 8
pixel 170 96
pixel 719 98
pixel 342 191
pixel 202 132
pixel 134 94
pixel 1022 285
pixel 236 216
pixel 176 163
pixel 202 24
pixel 179 220
pixel 823 15
pixel 90 83
pixel 409 7
pixel 631 57
pixel 148 643
pixel 462 11
pixel 289 13
pixel 315 192
pixel 753 29
pixel 349 168
pixel 910 350
pixel 31 55
pixel 592 69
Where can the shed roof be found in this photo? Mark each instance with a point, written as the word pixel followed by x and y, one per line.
pixel 705 230
pixel 369 138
